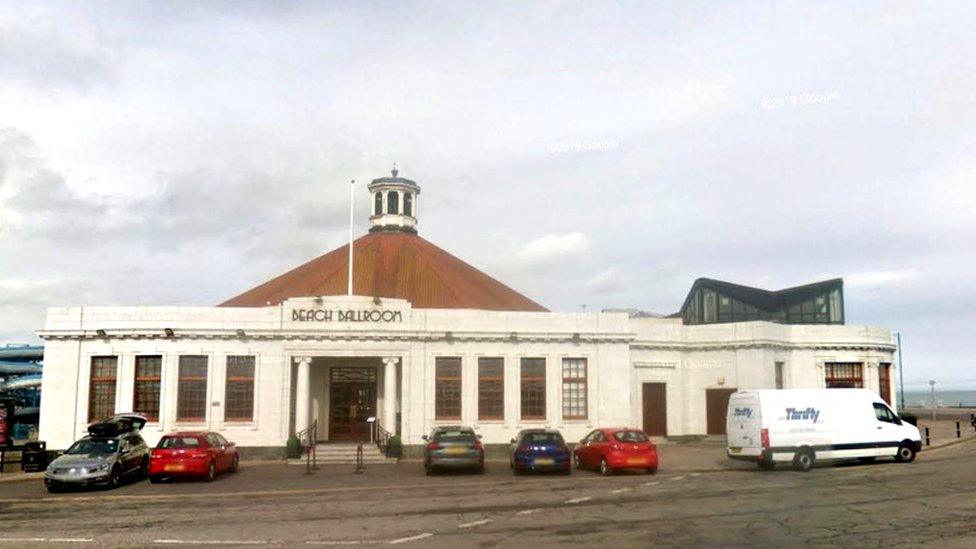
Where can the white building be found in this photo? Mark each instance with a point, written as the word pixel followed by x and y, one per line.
pixel 427 340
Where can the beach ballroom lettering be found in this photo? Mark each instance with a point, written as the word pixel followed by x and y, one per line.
pixel 349 315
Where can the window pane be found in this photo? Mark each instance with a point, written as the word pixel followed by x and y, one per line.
pixel 408 204
pixel 239 391
pixel 574 388
pixel 101 388
pixel 843 375
pixel 145 397
pixel 447 388
pixel 392 202
pixel 191 398
pixel 708 303
pixel 491 388
pixel 533 388
pixel 378 204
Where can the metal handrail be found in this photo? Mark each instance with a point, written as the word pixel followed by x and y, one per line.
pixel 307 439
pixel 381 436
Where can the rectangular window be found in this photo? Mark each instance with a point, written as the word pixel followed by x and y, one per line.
pixel 239 389
pixel 884 382
pixel 145 392
pixel 533 388
pixel 447 388
pixel 843 375
pixel 191 397
pixel 574 388
pixel 491 388
pixel 101 387
pixel 779 375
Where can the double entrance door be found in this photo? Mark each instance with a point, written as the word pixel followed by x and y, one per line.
pixel 352 400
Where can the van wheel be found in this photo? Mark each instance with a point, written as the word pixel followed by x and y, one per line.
pixel 803 460
pixel 605 469
pixel 906 454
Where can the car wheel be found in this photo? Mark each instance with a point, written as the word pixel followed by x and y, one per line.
pixel 803 460
pixel 576 461
pixel 155 479
pixel 234 465
pixel 211 472
pixel 605 469
pixel 869 459
pixel 906 454
pixel 567 471
pixel 651 470
pixel 113 478
pixel 54 489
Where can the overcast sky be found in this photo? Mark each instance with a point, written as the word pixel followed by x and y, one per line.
pixel 598 154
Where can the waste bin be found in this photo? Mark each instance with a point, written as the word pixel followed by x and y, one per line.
pixel 34 456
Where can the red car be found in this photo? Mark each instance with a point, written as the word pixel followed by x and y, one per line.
pixel 613 449
pixel 192 454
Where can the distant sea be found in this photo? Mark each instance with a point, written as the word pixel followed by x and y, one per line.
pixel 942 398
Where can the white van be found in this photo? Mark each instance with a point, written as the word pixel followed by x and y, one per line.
pixel 803 425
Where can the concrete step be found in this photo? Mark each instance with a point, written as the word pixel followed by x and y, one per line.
pixel 344 454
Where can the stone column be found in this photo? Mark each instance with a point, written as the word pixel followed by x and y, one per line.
pixel 389 393
pixel 301 393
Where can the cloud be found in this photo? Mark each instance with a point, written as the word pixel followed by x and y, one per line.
pixel 553 248
pixel 876 279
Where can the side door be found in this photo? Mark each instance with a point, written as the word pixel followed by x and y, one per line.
pixel 585 449
pixel 218 451
pixel 127 454
pixel 887 432
pixel 230 451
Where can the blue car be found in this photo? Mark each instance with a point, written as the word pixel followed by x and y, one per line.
pixel 540 450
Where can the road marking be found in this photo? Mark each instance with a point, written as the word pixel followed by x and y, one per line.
pixel 696 474
pixel 209 542
pixel 49 540
pixel 475 523
pixel 619 490
pixel 270 493
pixel 654 483
pixel 579 500
pixel 528 511
pixel 411 538
pixel 338 542
pixel 678 478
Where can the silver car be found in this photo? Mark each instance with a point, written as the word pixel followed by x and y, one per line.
pixel 454 447
pixel 99 460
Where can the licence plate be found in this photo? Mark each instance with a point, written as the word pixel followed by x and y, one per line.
pixel 172 467
pixel 456 451
pixel 543 461
pixel 735 450
pixel 636 461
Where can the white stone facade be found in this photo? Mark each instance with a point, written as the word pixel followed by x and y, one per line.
pixel 305 337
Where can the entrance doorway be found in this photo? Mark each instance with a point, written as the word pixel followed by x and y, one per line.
pixel 352 400
pixel 716 406
pixel 655 405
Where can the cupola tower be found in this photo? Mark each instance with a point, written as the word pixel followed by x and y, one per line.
pixel 394 204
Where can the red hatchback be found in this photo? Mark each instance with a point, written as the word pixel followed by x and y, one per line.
pixel 610 450
pixel 192 454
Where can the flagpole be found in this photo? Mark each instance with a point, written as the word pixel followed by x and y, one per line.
pixel 352 197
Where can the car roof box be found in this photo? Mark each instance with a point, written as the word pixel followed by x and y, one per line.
pixel 117 425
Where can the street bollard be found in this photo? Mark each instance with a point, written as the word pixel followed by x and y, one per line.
pixel 308 462
pixel 359 459
pixel 958 432
pixel 927 443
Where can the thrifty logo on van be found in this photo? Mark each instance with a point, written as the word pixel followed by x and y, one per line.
pixel 742 412
pixel 792 414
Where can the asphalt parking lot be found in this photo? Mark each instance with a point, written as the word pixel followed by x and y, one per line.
pixel 929 501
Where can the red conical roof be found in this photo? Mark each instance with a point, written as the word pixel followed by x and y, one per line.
pixel 394 265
